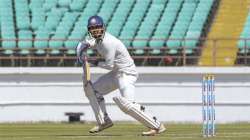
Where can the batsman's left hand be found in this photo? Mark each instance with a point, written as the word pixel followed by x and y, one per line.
pixel 81 51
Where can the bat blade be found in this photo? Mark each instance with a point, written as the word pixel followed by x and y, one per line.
pixel 87 71
pixel 86 68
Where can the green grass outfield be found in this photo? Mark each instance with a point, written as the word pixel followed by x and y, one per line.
pixel 120 131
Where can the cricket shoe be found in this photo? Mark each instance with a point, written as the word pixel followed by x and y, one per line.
pixel 153 132
pixel 108 123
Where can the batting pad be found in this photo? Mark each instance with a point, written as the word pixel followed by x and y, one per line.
pixel 133 109
pixel 90 93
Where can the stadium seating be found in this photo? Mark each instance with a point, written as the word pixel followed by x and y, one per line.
pixel 62 31
pixel 197 23
pixel 165 24
pixel 7 27
pixel 189 25
pixel 244 45
pixel 41 40
pixel 134 20
pixel 22 14
pixel 119 17
pixel 78 31
pixel 147 26
pixel 107 9
pixel 25 41
pixel 49 26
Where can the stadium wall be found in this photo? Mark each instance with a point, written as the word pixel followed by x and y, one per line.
pixel 173 94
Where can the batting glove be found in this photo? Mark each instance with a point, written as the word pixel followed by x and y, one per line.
pixel 81 52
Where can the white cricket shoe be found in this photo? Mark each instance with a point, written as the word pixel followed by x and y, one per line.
pixel 99 128
pixel 153 132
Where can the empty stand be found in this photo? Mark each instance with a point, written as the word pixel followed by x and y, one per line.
pixel 164 26
pixel 134 20
pixel 147 27
pixel 119 17
pixel 62 31
pixel 7 27
pixel 22 14
pixel 25 41
pixel 244 44
pixel 181 26
pixel 197 25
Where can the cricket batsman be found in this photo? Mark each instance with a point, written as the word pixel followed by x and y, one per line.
pixel 122 76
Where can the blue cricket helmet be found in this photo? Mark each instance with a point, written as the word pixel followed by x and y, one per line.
pixel 95 21
pixel 96 27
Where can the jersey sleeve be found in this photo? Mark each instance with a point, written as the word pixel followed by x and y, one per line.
pixel 80 48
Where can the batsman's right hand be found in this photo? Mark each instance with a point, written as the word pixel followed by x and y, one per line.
pixel 81 52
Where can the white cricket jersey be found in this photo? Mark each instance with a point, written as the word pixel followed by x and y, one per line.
pixel 115 53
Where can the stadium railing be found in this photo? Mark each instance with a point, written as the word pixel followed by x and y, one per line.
pixel 182 57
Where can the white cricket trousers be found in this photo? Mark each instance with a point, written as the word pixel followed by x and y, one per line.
pixel 116 80
pixel 126 84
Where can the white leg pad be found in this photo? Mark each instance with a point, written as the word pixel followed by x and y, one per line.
pixel 90 93
pixel 134 110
